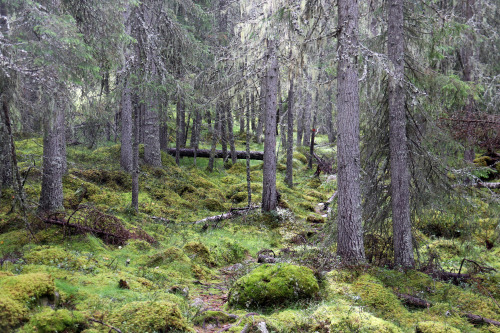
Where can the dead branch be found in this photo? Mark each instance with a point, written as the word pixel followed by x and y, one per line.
pixel 481 268
pixel 234 212
pixel 90 220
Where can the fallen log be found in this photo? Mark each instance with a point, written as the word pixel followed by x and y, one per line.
pixel 414 301
pixel 187 152
pixel 234 212
pixel 455 278
pixel 478 320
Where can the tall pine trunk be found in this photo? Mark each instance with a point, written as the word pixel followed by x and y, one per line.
pixel 53 165
pixel 269 195
pixel 126 132
pixel 350 246
pixel 400 175
pixel 289 148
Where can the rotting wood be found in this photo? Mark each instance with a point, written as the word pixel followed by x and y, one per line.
pixel 475 319
pixel 187 152
pixel 234 212
pixel 487 185
pixel 414 301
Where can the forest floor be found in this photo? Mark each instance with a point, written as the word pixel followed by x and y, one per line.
pixel 55 279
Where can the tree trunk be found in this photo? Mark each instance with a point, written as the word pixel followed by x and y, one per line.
pixel 126 137
pixel 269 195
pixel 263 109
pixel 300 116
pixel 350 246
pixel 400 175
pixel 152 154
pixel 241 111
pixel 51 195
pixel 253 114
pixel 467 55
pixel 311 145
pixel 135 159
pixel 6 177
pixel 222 121
pixel 306 139
pixel 211 160
pixel 230 133
pixel 289 148
pixel 180 131
pixel 329 117
pixel 164 126
pixel 247 147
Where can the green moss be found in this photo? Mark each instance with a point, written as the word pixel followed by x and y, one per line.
pixel 273 285
pixel 171 254
pixel 213 205
pixel 227 251
pixel 199 251
pixel 300 157
pixel 435 327
pixel 315 219
pixel 53 321
pixel 54 256
pixel 239 197
pixel 380 299
pixel 213 317
pixel 27 287
pixel 12 313
pixel 483 161
pixel 138 317
pixel 343 318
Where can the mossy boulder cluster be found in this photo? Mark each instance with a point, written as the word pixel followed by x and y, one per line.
pixel 273 285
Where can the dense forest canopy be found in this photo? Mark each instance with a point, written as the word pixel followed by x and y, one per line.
pixel 194 152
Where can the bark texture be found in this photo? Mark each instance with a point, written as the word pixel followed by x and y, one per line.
pixel 126 133
pixel 51 195
pixel 400 175
pixel 350 234
pixel 271 93
pixel 289 148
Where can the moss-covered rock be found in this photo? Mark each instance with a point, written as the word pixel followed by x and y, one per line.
pixel 315 218
pixel 273 285
pixel 53 321
pixel 435 327
pixel 160 316
pixel 300 157
pixel 483 161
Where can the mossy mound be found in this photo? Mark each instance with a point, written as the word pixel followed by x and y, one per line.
pixel 54 256
pixel 435 327
pixel 12 313
pixel 17 293
pixel 380 299
pixel 53 321
pixel 345 318
pixel 273 285
pixel 213 205
pixel 160 316
pixel 27 287
pixel 300 157
pixel 199 251
pixel 171 254
pixel 483 161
